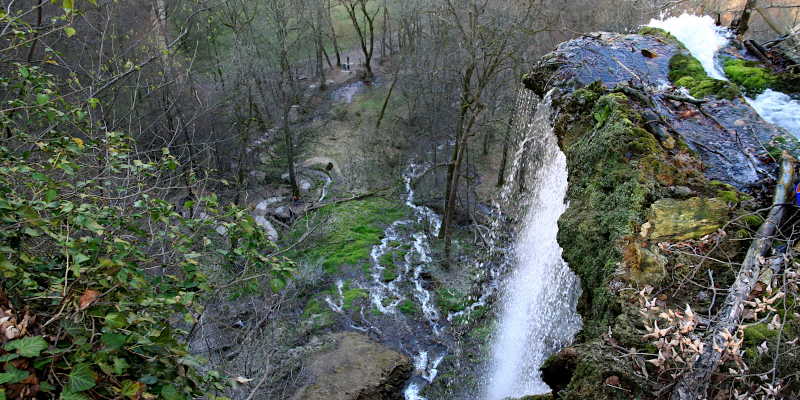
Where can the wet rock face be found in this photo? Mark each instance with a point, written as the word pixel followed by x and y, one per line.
pixel 356 368
pixel 611 58
pixel 727 135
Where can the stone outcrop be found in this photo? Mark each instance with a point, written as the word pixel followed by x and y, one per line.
pixel 356 368
pixel 649 168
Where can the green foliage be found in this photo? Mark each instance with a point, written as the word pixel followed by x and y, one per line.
pixel 749 75
pixel 82 233
pixel 686 71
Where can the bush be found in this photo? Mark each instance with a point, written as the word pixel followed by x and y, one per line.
pixel 101 277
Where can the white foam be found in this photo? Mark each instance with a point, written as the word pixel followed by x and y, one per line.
pixel 700 35
pixel 779 109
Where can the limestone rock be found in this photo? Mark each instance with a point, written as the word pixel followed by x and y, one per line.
pixel 356 368
pixel 693 218
pixel 272 233
pixel 645 266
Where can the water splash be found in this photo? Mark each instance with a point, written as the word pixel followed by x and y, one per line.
pixel 779 109
pixel 701 36
pixel 540 295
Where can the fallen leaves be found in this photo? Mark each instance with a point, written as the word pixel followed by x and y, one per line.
pixel 87 298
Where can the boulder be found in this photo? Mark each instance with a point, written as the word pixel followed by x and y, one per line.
pixel 672 219
pixel 356 368
pixel 272 233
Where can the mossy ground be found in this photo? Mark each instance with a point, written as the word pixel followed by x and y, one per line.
pixel 686 71
pixel 350 231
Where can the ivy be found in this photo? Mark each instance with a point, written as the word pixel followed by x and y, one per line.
pixel 95 306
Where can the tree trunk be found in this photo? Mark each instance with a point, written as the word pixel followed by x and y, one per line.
pixel 694 383
pixel 741 24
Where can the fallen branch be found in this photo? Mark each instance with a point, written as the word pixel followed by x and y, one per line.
pixel 359 197
pixel 694 383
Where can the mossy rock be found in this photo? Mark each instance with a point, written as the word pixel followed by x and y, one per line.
pixel 451 300
pixel 660 33
pixel 749 75
pixel 645 266
pixel 672 219
pixel 611 180
pixel 686 71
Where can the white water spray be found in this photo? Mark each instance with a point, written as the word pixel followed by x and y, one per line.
pixel 700 35
pixel 540 294
pixel 704 39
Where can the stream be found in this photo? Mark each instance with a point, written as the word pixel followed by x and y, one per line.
pixel 704 40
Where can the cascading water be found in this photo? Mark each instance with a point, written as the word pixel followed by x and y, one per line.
pixel 704 39
pixel 540 294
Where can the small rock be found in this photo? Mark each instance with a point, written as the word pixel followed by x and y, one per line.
pixel 686 219
pixel 612 380
pixel 649 54
pixel 681 191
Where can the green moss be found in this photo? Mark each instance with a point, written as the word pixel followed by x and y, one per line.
pixel 352 229
pixel 754 335
pixel 658 32
pixel 351 295
pixel 728 196
pixel 749 75
pixel 316 316
pixel 408 307
pixel 686 71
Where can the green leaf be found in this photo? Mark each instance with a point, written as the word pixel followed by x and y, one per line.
pixel 120 365
pixel 277 284
pixel 8 357
pixel 42 99
pixel 2 394
pixel 169 392
pixel 50 195
pixel 131 389
pixel 70 31
pixel 46 386
pixel 12 375
pixel 113 340
pixel 68 4
pixel 27 347
pixel 116 320
pixel 81 378
pixel 68 395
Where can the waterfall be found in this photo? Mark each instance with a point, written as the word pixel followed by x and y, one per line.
pixel 704 39
pixel 540 293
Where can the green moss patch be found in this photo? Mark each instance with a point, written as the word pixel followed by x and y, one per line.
pixel 608 194
pixel 451 300
pixel 686 71
pixel 351 231
pixel 660 33
pixel 749 75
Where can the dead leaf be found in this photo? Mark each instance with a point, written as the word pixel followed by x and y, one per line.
pixel 242 380
pixel 87 298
